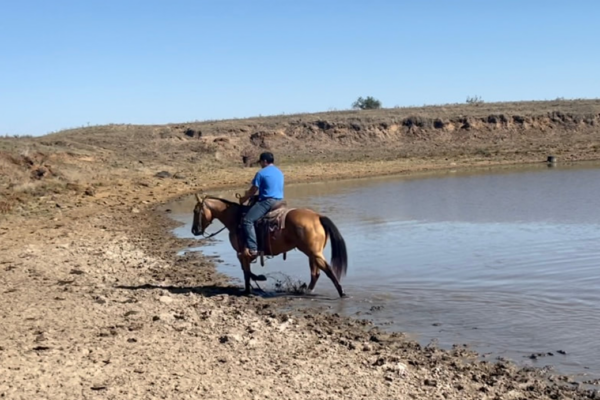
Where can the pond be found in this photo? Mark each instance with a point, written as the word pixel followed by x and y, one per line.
pixel 506 259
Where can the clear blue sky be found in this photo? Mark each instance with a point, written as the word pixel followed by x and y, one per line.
pixel 69 63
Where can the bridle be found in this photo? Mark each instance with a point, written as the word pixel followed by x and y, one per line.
pixel 204 235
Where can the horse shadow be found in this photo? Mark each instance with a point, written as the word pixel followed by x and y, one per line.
pixel 218 290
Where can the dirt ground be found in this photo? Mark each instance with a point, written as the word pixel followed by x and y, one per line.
pixel 96 303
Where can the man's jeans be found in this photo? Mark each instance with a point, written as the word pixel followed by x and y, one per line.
pixel 259 209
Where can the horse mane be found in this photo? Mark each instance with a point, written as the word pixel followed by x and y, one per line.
pixel 228 202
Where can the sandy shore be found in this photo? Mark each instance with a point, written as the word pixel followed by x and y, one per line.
pixel 96 304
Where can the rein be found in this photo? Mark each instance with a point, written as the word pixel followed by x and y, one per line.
pixel 213 234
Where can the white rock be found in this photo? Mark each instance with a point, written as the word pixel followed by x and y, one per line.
pixel 166 299
pixel 399 368
pixel 284 326
pixel 235 337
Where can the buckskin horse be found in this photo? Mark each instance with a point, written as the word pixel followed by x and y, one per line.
pixel 281 230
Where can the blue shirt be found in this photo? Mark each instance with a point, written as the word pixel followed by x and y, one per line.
pixel 269 181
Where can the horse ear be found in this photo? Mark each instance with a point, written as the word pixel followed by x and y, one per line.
pixel 198 198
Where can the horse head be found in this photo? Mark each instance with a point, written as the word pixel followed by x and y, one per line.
pixel 202 216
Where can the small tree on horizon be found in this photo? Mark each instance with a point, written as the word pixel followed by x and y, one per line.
pixel 369 103
pixel 474 100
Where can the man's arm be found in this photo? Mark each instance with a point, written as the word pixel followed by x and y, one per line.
pixel 253 188
pixel 249 193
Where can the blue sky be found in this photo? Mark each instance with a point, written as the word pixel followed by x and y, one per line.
pixel 69 63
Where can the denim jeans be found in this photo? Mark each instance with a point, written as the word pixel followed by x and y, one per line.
pixel 259 209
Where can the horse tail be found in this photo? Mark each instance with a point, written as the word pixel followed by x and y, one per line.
pixel 339 255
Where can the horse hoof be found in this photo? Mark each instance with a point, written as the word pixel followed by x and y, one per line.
pixel 260 278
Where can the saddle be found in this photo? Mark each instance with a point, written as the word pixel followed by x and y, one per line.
pixel 267 228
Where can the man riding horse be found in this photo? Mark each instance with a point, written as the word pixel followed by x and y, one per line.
pixel 304 229
pixel 268 182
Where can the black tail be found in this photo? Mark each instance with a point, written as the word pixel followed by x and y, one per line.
pixel 339 256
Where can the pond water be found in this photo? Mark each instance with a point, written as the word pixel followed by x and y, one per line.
pixel 506 260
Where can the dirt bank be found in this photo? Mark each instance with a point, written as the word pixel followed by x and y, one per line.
pixel 96 303
pixel 104 162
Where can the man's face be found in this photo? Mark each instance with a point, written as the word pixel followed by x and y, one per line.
pixel 263 163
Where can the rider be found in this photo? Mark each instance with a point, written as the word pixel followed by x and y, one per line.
pixel 269 184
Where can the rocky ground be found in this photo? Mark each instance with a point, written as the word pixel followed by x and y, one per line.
pixel 96 303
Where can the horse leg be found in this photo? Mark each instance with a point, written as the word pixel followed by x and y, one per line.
pixel 314 240
pixel 314 274
pixel 325 267
pixel 235 243
pixel 254 277
pixel 257 278
pixel 247 274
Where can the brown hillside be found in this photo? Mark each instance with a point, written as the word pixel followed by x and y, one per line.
pixel 201 152
pixel 454 130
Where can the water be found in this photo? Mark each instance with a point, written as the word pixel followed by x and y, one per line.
pixel 505 260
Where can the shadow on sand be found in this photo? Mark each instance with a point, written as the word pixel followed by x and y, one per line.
pixel 216 290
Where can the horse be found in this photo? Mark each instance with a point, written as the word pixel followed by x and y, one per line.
pixel 301 228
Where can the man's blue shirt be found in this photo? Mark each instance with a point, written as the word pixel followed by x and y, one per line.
pixel 269 181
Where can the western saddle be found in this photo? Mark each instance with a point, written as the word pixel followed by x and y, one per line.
pixel 267 227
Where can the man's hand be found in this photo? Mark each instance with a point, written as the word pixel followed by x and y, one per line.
pixel 249 193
